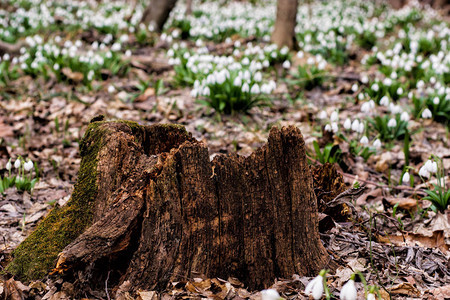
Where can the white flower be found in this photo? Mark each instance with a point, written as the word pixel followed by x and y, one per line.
pixel 328 128
pixel 237 81
pixel 377 144
pixel 424 172
pixel 255 89
pixel 375 87
pixel 322 115
pixel 406 177
pixel 431 166
pixel 404 116
pixel 257 77
pixel 361 127
pixel 348 291
pixel 384 101
pixel 392 123
pixel 399 91
pixel 334 127
pixel 365 79
pixel 17 163
pixel 128 53
pixel 245 88
pixel 436 100
pixel 347 124
pixel 426 114
pixel 28 165
pixel 364 140
pixel 365 107
pixel 355 125
pixel 206 91
pixel 286 64
pixel 354 87
pixel 270 294
pixel 387 81
pixel 315 288
pixel 334 116
pixel 371 296
pixel 111 89
pixel 8 165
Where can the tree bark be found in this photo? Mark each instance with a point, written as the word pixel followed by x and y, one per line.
pixel 157 13
pixel 188 11
pixel 164 212
pixel 284 31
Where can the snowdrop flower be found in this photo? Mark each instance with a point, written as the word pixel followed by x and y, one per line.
pixel 426 114
pixel 28 165
pixel 270 294
pixel 347 124
pixel 399 91
pixel 255 89
pixel 8 165
pixel 404 116
pixel 286 64
pixel 367 106
pixel 245 88
pixel 375 87
pixel 355 125
pixel 431 166
pixel 17 163
pixel 384 101
pixel 371 296
pixel 237 81
pixel 387 81
pixel 322 115
pixel 377 144
pixel 354 87
pixel 56 66
pixel 334 127
pixel 315 288
pixel 206 91
pixel 436 100
pixel 334 116
pixel 360 96
pixel 364 140
pixel 406 177
pixel 365 79
pixel 194 93
pixel 111 89
pixel 300 54
pixel 348 291
pixel 257 77
pixel 423 172
pixel 360 127
pixel 392 123
pixel 328 128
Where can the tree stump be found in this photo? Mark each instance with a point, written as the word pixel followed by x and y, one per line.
pixel 149 208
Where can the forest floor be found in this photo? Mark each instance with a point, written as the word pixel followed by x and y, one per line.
pixel 369 90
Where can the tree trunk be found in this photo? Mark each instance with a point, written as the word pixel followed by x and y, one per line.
pixel 188 11
pixel 157 13
pixel 284 32
pixel 162 211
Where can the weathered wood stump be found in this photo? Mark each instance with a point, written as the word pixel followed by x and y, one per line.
pixel 149 207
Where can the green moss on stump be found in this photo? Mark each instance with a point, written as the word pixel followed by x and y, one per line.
pixel 37 254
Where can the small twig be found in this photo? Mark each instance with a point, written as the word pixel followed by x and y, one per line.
pixel 106 286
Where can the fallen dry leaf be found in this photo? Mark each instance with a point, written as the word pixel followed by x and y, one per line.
pixel 76 77
pixel 408 204
pixel 437 240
